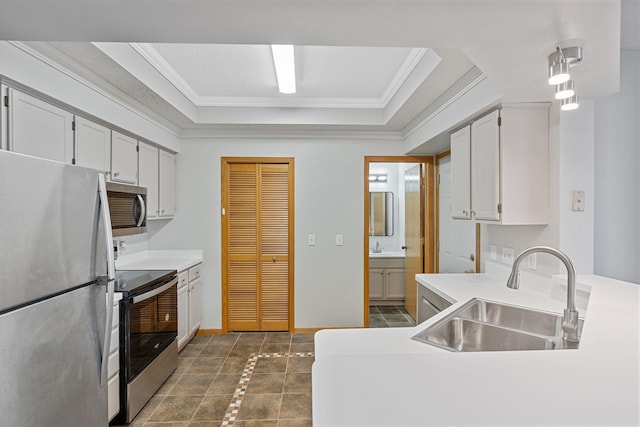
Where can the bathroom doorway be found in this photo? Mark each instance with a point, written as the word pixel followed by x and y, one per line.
pixel 399 230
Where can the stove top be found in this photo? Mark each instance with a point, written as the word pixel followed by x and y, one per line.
pixel 133 281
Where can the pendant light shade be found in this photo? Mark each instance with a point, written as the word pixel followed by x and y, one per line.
pixel 565 90
pixel 558 72
pixel 570 103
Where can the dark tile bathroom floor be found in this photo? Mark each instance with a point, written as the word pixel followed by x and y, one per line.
pixel 385 316
pixel 239 379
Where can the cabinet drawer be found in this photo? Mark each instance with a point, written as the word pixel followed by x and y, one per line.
pixel 115 340
pixel 183 279
pixel 114 363
pixel 386 262
pixel 115 322
pixel 113 396
pixel 194 272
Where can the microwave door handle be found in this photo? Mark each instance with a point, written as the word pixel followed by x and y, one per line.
pixel 111 272
pixel 143 210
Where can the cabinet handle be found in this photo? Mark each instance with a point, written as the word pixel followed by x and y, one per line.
pixel 473 213
pixel 274 259
pixel 116 174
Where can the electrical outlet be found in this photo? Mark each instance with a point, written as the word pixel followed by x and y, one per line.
pixel 339 240
pixel 507 255
pixel 311 240
pixel 493 252
pixel 532 261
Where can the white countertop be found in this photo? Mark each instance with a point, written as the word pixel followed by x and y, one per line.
pixel 382 377
pixel 389 254
pixel 159 260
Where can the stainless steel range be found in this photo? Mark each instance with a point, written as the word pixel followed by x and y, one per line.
pixel 148 335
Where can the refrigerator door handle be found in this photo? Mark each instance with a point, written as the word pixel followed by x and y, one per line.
pixel 143 211
pixel 111 271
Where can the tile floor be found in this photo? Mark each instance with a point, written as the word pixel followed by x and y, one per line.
pixel 241 379
pixel 385 316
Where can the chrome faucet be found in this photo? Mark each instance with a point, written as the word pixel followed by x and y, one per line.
pixel 378 249
pixel 570 320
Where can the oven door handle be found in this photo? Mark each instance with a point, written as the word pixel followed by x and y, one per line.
pixel 156 291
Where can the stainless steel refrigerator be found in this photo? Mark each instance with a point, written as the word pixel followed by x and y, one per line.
pixel 56 259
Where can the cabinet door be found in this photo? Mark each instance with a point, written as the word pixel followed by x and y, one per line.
pixel 183 316
pixel 124 158
pixel 195 306
pixel 394 288
pixel 485 167
pixel 167 184
pixel 461 174
pixel 148 176
pixel 39 129
pixel 376 283
pixel 93 145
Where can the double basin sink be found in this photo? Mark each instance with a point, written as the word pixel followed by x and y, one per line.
pixel 482 325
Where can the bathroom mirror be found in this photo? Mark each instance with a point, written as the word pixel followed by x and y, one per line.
pixel 381 213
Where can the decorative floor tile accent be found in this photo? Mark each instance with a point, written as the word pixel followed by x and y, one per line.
pixel 241 389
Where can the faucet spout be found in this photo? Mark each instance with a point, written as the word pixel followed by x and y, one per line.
pixel 570 321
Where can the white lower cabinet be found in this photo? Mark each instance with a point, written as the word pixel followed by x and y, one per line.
pixel 195 306
pixel 189 304
pixel 386 280
pixel 113 370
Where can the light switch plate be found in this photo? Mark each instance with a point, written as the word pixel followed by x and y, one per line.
pixel 507 255
pixel 493 252
pixel 532 261
pixel 311 240
pixel 339 240
pixel 577 201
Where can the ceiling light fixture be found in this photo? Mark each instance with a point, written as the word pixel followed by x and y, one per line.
pixel 560 60
pixel 284 62
pixel 570 103
pixel 565 90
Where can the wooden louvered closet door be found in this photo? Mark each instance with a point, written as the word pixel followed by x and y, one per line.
pixel 257 269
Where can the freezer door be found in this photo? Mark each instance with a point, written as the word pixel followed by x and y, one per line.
pixel 50 228
pixel 50 370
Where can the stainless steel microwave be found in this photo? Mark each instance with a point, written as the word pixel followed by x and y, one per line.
pixel 127 204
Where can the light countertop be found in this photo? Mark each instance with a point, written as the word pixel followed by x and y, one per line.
pixel 159 260
pixel 379 377
pixel 389 254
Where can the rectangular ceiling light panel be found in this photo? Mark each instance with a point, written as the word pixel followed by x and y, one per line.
pixel 285 67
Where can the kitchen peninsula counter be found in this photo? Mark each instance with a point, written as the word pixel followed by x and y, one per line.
pixel 380 377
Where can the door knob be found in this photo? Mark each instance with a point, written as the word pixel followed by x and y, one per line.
pixel 274 259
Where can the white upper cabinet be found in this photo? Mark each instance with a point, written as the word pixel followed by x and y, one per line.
pixel 461 173
pixel 124 158
pixel 148 176
pixel 485 168
pixel 93 145
pixel 167 189
pixel 39 129
pixel 506 164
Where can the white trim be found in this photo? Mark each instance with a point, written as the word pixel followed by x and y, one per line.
pixel 49 62
pixel 394 137
pixel 450 100
pixel 157 61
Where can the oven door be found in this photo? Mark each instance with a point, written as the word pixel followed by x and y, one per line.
pixel 151 325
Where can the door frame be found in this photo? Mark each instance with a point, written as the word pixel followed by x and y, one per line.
pixel 224 162
pixel 436 269
pixel 427 215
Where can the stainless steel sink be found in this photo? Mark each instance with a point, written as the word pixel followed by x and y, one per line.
pixel 482 325
pixel 459 334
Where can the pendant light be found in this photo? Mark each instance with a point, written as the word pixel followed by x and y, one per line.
pixel 558 68
pixel 570 103
pixel 565 90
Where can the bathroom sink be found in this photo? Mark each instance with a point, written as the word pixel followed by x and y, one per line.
pixel 482 325
pixel 458 334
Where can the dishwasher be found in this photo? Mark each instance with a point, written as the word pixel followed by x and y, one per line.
pixel 429 303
